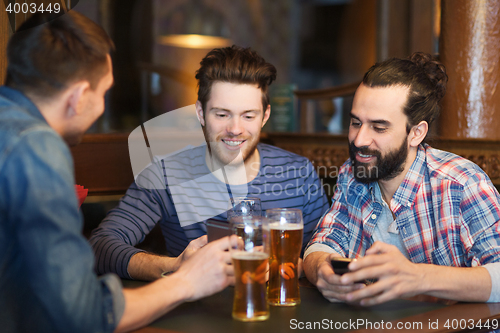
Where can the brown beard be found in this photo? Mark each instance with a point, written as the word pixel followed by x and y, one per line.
pixel 387 167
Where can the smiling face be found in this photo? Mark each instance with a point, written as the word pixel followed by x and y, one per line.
pixel 378 141
pixel 232 121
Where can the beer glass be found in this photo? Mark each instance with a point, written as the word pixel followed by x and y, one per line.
pixel 286 230
pixel 243 206
pixel 250 260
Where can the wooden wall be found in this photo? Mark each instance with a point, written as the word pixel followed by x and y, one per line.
pixel 4 37
pixel 470 46
pixel 406 26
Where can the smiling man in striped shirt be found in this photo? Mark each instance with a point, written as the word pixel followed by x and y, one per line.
pixel 190 186
pixel 419 220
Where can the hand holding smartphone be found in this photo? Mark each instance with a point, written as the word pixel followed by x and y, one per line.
pixel 340 265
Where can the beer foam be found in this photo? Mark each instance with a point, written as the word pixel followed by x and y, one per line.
pixel 289 226
pixel 243 255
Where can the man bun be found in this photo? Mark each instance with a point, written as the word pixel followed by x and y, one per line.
pixel 434 70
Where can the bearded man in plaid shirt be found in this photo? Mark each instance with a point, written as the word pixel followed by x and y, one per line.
pixel 419 220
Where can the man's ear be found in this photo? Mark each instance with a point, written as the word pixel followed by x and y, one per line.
pixel 76 97
pixel 267 114
pixel 199 113
pixel 418 133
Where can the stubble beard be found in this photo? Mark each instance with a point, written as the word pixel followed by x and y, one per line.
pixel 221 159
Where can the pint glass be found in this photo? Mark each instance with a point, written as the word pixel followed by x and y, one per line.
pixel 286 230
pixel 244 206
pixel 250 260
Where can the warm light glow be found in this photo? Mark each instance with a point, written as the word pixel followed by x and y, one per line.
pixel 194 41
pixel 437 19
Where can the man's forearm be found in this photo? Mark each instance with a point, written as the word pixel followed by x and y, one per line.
pixel 142 305
pixel 311 264
pixel 468 284
pixel 147 266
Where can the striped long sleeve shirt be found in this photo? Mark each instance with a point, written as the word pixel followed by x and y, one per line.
pixel 181 194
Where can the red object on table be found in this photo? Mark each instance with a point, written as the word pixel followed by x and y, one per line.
pixel 81 193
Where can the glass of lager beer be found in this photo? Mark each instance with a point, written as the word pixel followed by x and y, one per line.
pixel 250 260
pixel 286 230
pixel 244 206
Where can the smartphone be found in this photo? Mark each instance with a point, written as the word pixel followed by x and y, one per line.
pixel 217 229
pixel 340 265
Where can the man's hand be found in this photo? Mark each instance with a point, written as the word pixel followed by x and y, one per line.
pixel 261 274
pixel 192 247
pixel 286 269
pixel 397 276
pixel 149 266
pixel 208 270
pixel 319 271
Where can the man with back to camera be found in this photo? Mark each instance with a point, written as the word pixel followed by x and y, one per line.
pixel 59 70
pixel 233 106
pixel 419 220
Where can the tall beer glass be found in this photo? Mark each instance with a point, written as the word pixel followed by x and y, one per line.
pixel 286 230
pixel 250 260
pixel 244 206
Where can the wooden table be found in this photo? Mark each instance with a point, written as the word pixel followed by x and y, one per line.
pixel 213 315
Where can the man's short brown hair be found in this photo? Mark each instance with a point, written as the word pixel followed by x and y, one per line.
pixel 49 52
pixel 234 64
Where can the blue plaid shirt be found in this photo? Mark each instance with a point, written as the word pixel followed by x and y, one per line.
pixel 447 212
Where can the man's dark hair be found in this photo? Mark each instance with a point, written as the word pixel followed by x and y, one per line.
pixel 48 52
pixel 425 77
pixel 234 64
